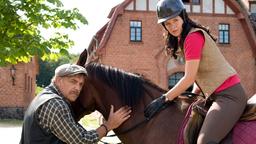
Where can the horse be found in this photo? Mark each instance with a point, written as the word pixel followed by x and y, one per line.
pixel 106 86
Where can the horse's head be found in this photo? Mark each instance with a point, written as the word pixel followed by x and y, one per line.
pixel 106 85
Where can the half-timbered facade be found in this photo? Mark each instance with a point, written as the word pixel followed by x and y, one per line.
pixel 132 39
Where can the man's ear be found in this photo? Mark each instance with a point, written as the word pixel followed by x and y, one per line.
pixel 57 80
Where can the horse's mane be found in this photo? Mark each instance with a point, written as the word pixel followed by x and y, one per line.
pixel 130 87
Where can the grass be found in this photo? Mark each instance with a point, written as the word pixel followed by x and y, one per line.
pixel 10 122
pixel 91 121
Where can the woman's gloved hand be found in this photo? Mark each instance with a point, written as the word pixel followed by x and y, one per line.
pixel 155 106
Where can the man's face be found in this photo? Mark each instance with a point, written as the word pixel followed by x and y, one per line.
pixel 70 86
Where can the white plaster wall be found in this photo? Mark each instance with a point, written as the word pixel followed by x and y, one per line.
pixel 152 5
pixel 219 7
pixel 187 7
pixel 141 5
pixel 207 6
pixel 196 8
pixel 130 6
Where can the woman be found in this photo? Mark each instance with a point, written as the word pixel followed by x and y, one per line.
pixel 204 65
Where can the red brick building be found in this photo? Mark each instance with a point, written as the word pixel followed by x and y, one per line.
pixel 17 88
pixel 132 40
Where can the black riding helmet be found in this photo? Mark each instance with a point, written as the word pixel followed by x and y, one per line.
pixel 167 9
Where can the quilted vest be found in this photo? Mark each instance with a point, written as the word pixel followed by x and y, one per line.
pixel 213 68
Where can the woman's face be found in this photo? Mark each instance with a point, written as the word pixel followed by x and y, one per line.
pixel 174 26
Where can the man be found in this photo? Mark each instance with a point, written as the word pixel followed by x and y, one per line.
pixel 49 119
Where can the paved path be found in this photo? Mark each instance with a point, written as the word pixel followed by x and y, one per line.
pixel 10 134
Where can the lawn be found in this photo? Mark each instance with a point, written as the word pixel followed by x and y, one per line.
pixel 10 122
pixel 91 121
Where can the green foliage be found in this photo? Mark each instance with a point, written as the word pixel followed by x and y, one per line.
pixel 38 90
pixel 47 68
pixel 20 24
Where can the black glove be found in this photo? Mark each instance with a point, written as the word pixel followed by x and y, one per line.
pixel 155 106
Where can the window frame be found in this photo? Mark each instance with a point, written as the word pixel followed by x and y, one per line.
pixel 136 27
pixel 221 35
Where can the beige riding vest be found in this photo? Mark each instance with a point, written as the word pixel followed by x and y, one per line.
pixel 213 68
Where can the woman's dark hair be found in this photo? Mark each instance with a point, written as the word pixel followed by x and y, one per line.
pixel 172 43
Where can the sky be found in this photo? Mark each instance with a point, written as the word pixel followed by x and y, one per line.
pixel 95 12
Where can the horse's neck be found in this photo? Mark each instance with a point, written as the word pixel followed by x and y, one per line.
pixel 164 127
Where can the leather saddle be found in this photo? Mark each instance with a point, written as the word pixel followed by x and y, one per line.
pixel 199 110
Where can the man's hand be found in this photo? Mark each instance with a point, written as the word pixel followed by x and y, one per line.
pixel 155 106
pixel 115 119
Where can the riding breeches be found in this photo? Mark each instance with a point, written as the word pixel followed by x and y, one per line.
pixel 226 109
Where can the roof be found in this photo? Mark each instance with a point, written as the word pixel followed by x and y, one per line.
pixel 104 33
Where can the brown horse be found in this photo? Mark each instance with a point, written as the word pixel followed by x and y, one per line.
pixel 107 86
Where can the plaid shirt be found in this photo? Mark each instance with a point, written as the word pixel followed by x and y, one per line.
pixel 55 117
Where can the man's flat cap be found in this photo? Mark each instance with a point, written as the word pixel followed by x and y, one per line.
pixel 69 70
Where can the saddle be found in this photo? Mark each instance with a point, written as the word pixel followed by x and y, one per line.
pixel 198 113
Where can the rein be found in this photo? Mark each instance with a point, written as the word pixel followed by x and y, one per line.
pixel 145 120
pixel 129 129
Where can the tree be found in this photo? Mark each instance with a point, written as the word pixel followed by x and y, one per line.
pixel 20 24
pixel 47 68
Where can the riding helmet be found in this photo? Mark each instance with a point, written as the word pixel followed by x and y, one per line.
pixel 167 9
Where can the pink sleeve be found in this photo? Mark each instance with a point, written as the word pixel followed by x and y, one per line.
pixel 193 45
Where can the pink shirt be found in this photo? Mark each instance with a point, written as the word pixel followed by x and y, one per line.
pixel 193 47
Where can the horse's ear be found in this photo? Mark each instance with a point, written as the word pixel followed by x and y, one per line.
pixel 82 58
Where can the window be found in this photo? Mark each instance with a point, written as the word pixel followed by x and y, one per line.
pixel 224 37
pixel 174 79
pixel 135 31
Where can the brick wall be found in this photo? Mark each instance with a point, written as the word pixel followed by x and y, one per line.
pixel 147 58
pixel 15 98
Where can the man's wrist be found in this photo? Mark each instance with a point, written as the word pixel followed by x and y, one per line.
pixel 105 127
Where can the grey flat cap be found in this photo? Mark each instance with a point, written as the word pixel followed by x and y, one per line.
pixel 69 70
